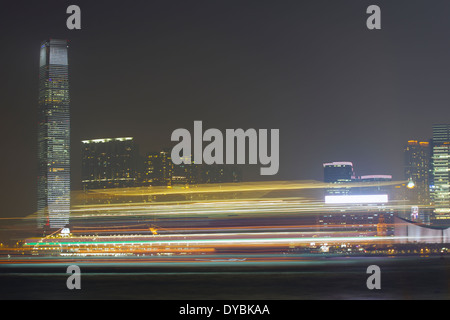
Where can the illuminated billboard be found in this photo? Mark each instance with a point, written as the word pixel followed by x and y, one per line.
pixel 375 198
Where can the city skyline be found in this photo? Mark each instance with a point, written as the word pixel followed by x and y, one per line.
pixel 272 75
pixel 225 150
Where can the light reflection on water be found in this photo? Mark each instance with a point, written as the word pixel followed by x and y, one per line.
pixel 402 278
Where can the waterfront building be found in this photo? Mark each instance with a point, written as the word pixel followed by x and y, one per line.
pixel 109 163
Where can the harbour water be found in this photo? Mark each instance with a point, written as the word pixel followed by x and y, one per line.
pixel 309 278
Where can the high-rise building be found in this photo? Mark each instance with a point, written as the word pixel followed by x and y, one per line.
pixel 109 163
pixel 219 173
pixel 345 187
pixel 440 158
pixel 417 171
pixel 338 173
pixel 376 184
pixel 362 198
pixel 53 187
pixel 161 171
pixel 158 169
pixel 185 174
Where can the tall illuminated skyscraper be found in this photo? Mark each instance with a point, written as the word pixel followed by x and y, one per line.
pixel 53 136
pixel 417 167
pixel 441 170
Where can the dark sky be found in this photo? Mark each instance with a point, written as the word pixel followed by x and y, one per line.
pixel 336 90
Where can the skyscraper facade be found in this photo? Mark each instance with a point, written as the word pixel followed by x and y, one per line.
pixel 417 171
pixel 219 173
pixel 158 169
pixel 161 171
pixel 376 184
pixel 109 163
pixel 337 173
pixel 53 135
pixel 441 171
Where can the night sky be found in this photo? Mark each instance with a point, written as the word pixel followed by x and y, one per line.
pixel 336 90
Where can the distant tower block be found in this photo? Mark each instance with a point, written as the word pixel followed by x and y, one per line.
pixel 338 173
pixel 109 163
pixel 417 171
pixel 381 227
